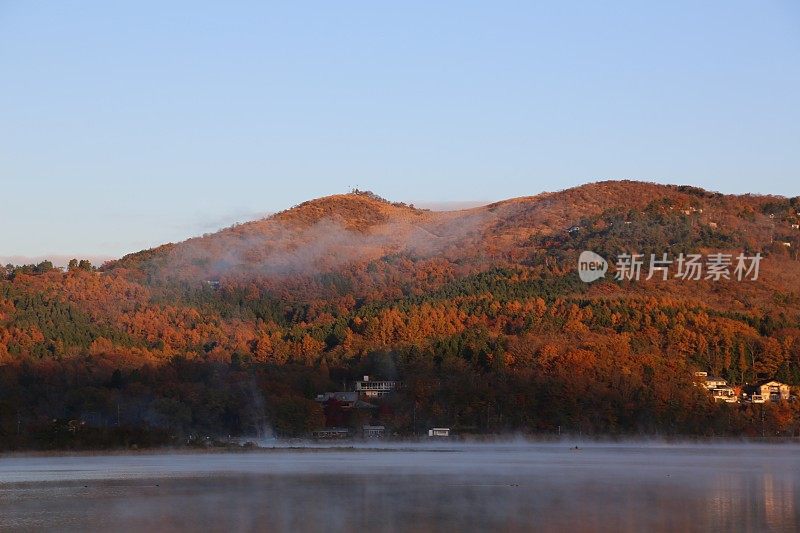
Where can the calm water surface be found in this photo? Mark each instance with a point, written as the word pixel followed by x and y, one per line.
pixel 445 487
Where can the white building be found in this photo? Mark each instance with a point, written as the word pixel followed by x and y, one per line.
pixel 439 432
pixel 373 432
pixel 712 382
pixel 718 387
pixel 375 389
pixel 331 433
pixel 768 391
pixel 724 394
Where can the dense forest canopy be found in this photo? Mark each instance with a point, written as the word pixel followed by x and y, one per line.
pixel 480 313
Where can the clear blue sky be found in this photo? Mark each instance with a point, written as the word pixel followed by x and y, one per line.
pixel 127 124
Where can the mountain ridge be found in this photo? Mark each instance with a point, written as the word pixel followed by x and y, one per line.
pixel 474 310
pixel 380 227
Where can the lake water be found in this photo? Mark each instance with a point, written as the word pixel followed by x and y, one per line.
pixel 443 487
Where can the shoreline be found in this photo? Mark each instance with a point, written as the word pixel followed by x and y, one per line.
pixel 454 445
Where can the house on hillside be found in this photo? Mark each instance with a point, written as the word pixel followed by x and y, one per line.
pixel 767 391
pixel 718 387
pixel 375 389
pixel 346 400
pixel 373 432
pixel 331 434
pixel 344 408
pixel 439 432
pixel 724 394
pixel 713 382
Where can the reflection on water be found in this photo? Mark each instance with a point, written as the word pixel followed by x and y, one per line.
pixel 497 487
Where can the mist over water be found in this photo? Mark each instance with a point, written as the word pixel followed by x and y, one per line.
pixel 397 487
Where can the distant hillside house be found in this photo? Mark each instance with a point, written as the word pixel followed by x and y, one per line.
pixel 439 432
pixel 340 408
pixel 712 382
pixel 724 394
pixel 331 433
pixel 373 432
pixel 375 389
pixel 718 388
pixel 768 390
pixel 347 400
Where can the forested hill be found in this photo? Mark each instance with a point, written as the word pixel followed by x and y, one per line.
pixel 480 312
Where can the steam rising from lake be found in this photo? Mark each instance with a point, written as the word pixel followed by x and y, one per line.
pixel 454 487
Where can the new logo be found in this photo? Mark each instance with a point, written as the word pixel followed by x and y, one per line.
pixel 591 266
